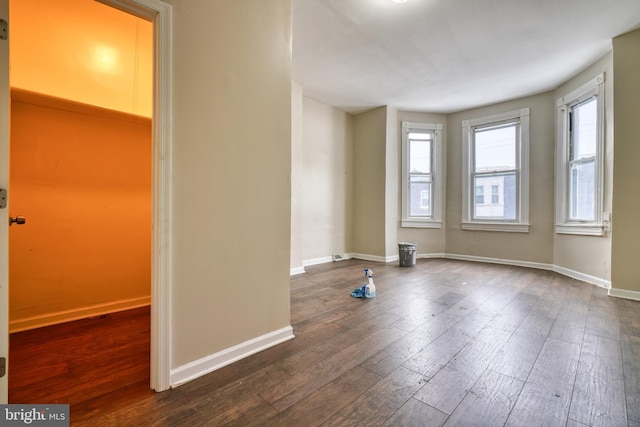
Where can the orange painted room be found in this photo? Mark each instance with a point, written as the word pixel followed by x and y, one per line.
pixel 81 167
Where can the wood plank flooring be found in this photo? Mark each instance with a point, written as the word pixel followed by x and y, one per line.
pixel 82 362
pixel 446 342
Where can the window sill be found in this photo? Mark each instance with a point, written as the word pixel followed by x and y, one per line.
pixel 582 229
pixel 496 226
pixel 413 223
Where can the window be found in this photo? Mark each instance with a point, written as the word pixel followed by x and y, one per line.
pixel 579 168
pixel 479 195
pixel 421 175
pixel 425 200
pixel 495 194
pixel 496 164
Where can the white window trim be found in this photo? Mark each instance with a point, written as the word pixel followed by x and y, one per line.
pixel 521 223
pixel 435 221
pixel 594 87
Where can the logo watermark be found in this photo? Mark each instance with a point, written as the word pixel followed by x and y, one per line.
pixel 34 415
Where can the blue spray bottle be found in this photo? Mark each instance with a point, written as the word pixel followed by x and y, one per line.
pixel 370 289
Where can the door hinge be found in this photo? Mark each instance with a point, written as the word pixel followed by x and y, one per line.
pixel 3 366
pixel 4 29
pixel 3 198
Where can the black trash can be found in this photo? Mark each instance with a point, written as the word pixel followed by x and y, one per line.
pixel 407 253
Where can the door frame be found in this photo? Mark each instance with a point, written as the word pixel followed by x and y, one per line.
pixel 4 213
pixel 161 15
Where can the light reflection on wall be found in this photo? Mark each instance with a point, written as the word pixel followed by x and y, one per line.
pixel 105 60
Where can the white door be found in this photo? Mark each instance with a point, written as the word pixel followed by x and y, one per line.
pixel 4 212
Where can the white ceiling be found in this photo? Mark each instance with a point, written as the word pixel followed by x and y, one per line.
pixel 448 55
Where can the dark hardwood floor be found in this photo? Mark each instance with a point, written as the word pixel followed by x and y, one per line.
pixel 82 362
pixel 444 343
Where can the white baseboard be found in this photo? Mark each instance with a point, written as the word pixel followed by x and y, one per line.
pixel 582 276
pixel 374 258
pixel 364 257
pixel 296 270
pixel 529 264
pixel 346 256
pixel 208 364
pixel 316 261
pixel 76 314
pixel 603 283
pixel 431 256
pixel 623 293
pixel 541 266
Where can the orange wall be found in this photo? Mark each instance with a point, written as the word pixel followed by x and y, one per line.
pixel 84 51
pixel 82 177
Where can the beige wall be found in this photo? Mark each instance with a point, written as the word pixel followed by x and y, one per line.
pixel 427 240
pixel 369 183
pixel 625 273
pixel 327 180
pixel 537 245
pixel 231 203
pixel 591 254
pixel 296 257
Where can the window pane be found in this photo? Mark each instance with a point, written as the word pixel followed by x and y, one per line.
pixel 505 185
pixel 479 194
pixel 419 135
pixel 420 195
pixel 584 119
pixel 495 148
pixel 582 191
pixel 425 198
pixel 419 156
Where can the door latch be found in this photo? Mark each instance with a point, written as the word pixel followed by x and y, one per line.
pixel 3 198
pixel 4 29
pixel 17 220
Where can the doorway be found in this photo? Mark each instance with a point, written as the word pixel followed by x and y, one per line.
pixel 78 195
pixel 160 13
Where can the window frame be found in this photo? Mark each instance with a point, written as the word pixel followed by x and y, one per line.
pixel 435 219
pixel 521 223
pixel 564 224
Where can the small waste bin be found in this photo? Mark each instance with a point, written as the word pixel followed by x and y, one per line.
pixel 407 252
